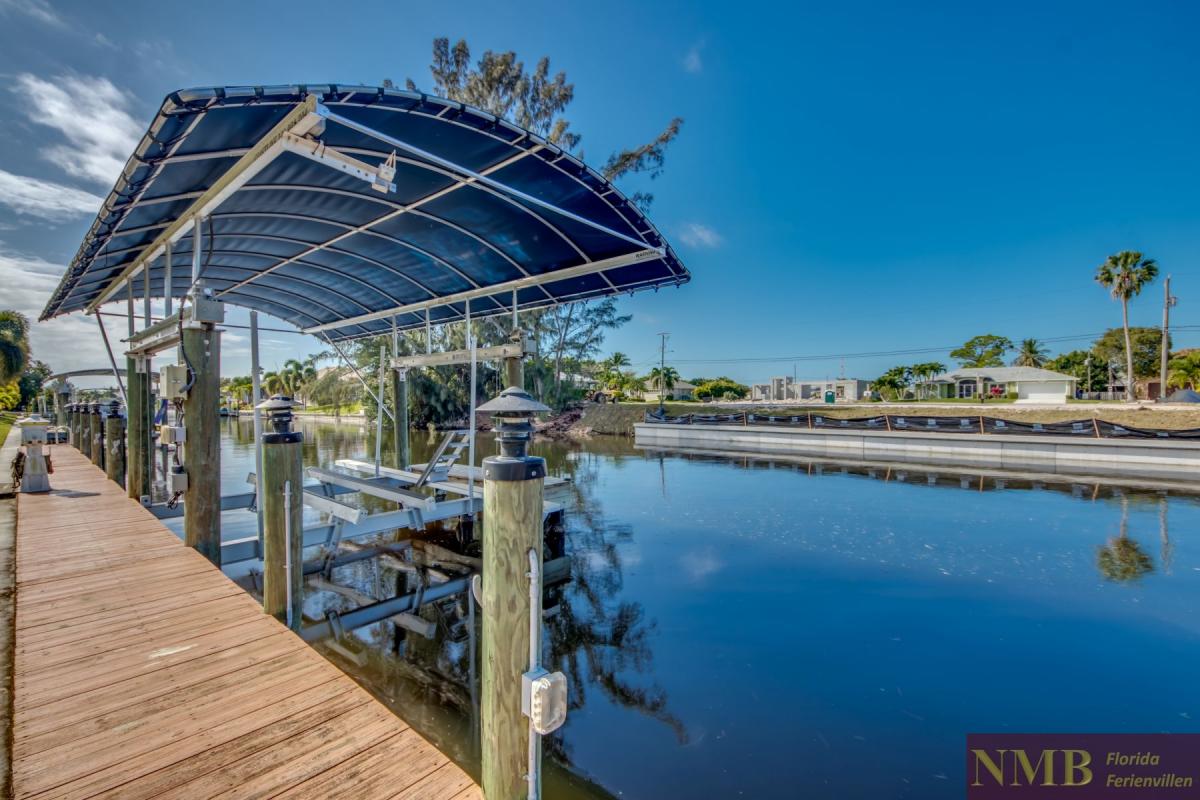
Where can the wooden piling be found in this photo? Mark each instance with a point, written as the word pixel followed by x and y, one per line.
pixel 96 436
pixel 512 526
pixel 514 372
pixel 202 450
pixel 137 429
pixel 281 465
pixel 114 456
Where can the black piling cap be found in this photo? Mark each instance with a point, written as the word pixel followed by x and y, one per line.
pixel 278 409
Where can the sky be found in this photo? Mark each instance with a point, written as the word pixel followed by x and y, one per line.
pixel 850 179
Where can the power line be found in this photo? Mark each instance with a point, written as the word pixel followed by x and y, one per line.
pixel 877 353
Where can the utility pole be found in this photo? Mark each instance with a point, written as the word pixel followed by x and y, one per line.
pixel 662 370
pixel 1168 301
pixel 1087 363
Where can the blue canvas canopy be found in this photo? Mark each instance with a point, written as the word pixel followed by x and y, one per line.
pixel 347 209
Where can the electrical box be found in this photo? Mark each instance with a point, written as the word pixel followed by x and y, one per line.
pixel 171 380
pixel 206 309
pixel 544 700
pixel 177 481
pixel 172 434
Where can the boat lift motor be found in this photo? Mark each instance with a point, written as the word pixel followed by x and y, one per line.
pixel 36 476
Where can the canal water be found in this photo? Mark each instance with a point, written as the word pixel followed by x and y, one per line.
pixel 762 628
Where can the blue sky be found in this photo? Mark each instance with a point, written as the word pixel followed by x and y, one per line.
pixel 849 179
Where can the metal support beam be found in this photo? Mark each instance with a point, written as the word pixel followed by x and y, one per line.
pixel 477 177
pixel 588 268
pixel 500 351
pixel 374 487
pixel 357 374
pixel 368 615
pixel 299 120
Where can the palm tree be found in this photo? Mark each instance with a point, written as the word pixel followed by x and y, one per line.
pixel 14 345
pixel 1185 371
pixel 1125 274
pixel 1122 559
pixel 925 373
pixel 664 378
pixel 611 375
pixel 1031 353
pixel 632 385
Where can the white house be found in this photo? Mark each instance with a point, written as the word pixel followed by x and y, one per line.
pixel 784 388
pixel 682 390
pixel 1029 384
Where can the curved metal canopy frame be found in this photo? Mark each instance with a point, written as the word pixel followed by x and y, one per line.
pixel 346 210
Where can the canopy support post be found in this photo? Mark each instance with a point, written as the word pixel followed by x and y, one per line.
pixel 514 368
pixel 471 425
pixel 139 453
pixel 167 280
pixel 256 397
pixel 400 399
pixel 201 347
pixel 381 410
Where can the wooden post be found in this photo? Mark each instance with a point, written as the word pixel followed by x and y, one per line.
pixel 512 528
pixel 96 436
pixel 114 438
pixel 514 372
pixel 137 430
pixel 85 430
pixel 279 490
pixel 202 450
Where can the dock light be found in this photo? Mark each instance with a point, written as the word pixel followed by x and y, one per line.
pixel 33 470
pixel 278 410
pixel 114 408
pixel 513 413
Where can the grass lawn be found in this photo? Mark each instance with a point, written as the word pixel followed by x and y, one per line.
pixel 6 421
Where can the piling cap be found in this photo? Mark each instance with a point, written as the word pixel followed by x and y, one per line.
pixel 277 402
pixel 513 402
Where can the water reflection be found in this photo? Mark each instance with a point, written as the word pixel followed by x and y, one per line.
pixel 751 625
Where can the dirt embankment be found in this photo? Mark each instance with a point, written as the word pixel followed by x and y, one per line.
pixel 618 419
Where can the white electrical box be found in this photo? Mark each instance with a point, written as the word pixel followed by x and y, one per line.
pixel 544 700
pixel 177 481
pixel 172 434
pixel 171 380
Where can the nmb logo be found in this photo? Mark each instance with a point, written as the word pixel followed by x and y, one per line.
pixel 1011 768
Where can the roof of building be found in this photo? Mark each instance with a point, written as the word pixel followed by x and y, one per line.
pixel 652 385
pixel 303 217
pixel 1003 375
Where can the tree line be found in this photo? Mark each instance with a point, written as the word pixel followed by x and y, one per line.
pixel 1121 355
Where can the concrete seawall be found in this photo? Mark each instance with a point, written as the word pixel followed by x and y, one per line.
pixel 1176 460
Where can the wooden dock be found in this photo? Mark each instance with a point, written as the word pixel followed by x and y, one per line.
pixel 142 671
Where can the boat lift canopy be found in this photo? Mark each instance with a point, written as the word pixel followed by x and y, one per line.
pixel 345 210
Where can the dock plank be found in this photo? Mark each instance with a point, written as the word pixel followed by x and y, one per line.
pixel 142 671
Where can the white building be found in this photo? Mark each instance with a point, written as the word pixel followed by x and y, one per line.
pixel 1029 384
pixel 784 389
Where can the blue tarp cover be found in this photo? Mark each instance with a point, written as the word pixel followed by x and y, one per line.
pixel 473 237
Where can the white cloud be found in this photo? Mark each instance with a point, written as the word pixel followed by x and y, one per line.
pixel 36 9
pixel 66 343
pixel 45 199
pixel 693 234
pixel 92 114
pixel 692 62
